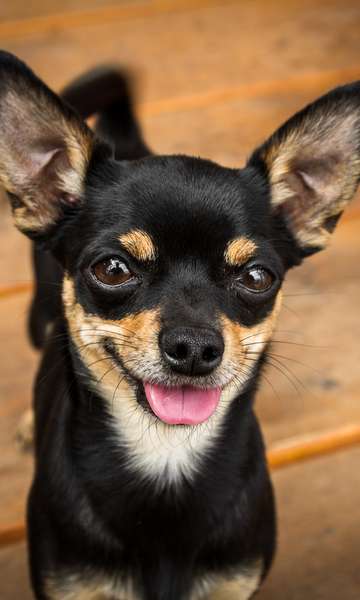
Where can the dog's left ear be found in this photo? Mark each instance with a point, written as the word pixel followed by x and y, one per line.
pixel 312 164
pixel 45 149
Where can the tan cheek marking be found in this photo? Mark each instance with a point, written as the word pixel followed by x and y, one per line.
pixel 242 342
pixel 239 251
pixel 87 332
pixel 143 329
pixel 138 338
pixel 139 244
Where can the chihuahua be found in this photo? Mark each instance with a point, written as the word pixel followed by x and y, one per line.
pixel 158 286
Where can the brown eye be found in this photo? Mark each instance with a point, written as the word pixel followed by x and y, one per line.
pixel 112 271
pixel 256 279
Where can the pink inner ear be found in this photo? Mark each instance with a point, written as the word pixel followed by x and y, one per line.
pixel 310 181
pixel 319 185
pixel 39 160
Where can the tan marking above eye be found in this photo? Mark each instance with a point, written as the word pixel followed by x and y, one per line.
pixel 139 244
pixel 239 251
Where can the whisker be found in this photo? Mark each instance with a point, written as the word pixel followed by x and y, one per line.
pixel 296 361
pixel 286 373
pixel 94 331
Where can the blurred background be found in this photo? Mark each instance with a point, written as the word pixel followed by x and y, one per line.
pixel 214 78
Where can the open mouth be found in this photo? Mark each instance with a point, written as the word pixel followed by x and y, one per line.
pixel 182 405
pixel 174 405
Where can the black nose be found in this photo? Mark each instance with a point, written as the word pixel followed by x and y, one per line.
pixel 192 350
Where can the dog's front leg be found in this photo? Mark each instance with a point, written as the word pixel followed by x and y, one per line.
pixel 25 431
pixel 74 588
pixel 241 587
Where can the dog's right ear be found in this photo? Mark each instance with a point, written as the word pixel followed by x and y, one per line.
pixel 45 149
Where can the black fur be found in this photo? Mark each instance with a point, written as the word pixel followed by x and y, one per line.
pixel 226 518
pixel 88 511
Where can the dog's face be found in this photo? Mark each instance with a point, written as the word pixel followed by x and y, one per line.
pixel 174 280
pixel 173 265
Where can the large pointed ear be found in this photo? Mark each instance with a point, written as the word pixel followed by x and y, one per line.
pixel 45 149
pixel 312 164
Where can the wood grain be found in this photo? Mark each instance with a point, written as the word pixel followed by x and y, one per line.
pixel 18 10
pixel 49 19
pixel 318 546
pixel 306 83
pixel 204 49
pixel 12 534
pixel 17 368
pixel 309 446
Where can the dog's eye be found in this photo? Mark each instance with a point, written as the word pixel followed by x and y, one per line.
pixel 112 271
pixel 256 279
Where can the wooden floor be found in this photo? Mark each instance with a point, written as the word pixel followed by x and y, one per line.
pixel 214 79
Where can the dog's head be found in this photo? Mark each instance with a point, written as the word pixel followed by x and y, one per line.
pixel 173 265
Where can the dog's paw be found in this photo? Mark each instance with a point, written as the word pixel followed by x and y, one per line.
pixel 25 431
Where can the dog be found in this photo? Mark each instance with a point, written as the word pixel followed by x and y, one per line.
pixel 158 286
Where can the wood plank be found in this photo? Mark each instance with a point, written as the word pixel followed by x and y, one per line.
pixel 15 263
pixel 204 49
pixel 319 514
pixel 308 446
pixel 14 574
pixel 307 83
pixel 8 291
pixel 15 10
pixel 228 131
pixel 318 509
pixel 45 18
pixel 12 534
pixel 17 367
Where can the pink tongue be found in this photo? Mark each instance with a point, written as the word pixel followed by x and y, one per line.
pixel 184 405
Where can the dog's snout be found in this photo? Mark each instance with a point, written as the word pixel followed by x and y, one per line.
pixel 191 350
